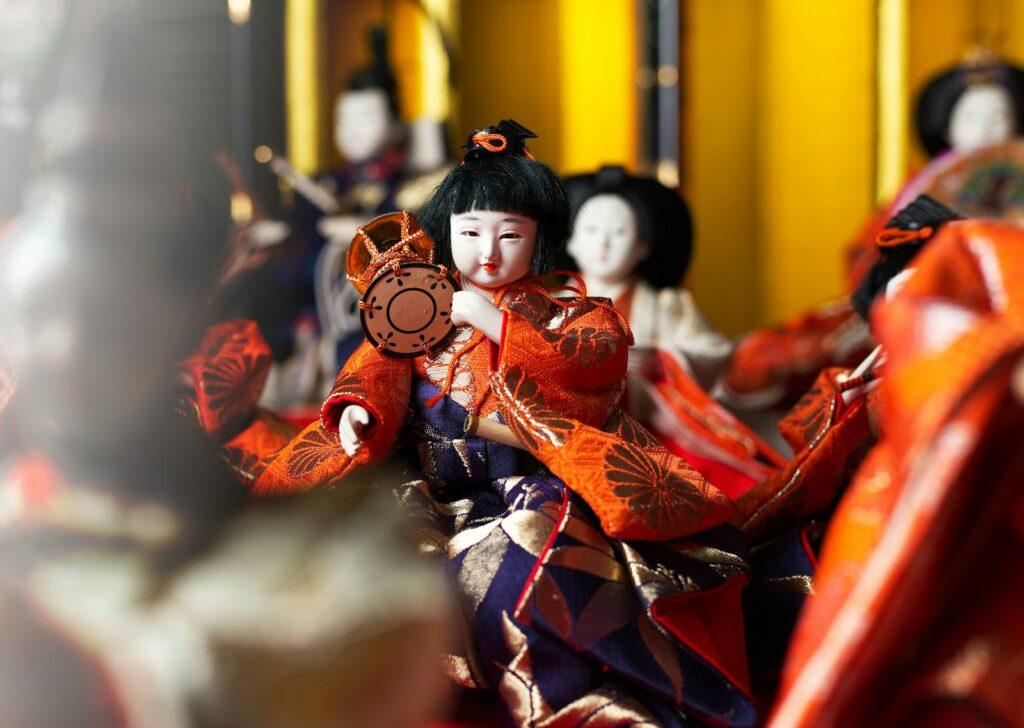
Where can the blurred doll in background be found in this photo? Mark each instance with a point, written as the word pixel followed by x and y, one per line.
pixel 370 137
pixel 915 618
pixel 632 243
pixel 964 118
pixel 831 430
pixel 594 578
pixel 137 587
pixel 386 163
pixel 976 105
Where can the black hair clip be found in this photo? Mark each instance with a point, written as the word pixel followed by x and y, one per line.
pixel 507 137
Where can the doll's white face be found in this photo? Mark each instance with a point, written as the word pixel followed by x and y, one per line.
pixel 981 117
pixel 493 249
pixel 362 124
pixel 605 240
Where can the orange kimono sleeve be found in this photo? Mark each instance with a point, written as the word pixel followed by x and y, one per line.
pixel 580 364
pixel 558 390
pixel 315 457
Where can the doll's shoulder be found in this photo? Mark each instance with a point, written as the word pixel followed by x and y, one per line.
pixel 546 312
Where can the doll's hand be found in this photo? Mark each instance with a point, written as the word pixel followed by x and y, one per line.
pixel 351 425
pixel 472 309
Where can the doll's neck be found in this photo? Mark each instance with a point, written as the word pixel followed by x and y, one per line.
pixel 608 289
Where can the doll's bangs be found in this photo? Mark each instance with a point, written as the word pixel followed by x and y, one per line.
pixel 501 186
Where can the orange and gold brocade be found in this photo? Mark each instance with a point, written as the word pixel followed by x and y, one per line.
pixel 829 440
pixel 779 363
pixel 555 380
pixel 911 622
pixel 226 374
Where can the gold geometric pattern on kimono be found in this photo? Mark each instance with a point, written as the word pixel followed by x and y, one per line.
pixel 481 564
pixel 652 582
pixel 661 648
pixel 724 563
pixel 798 583
pixel 529 530
pixel 602 708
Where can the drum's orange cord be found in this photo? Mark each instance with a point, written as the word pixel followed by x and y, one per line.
pixel 527 285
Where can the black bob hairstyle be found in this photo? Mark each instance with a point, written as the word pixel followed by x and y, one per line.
pixel 499 174
pixel 939 96
pixel 923 212
pixel 663 220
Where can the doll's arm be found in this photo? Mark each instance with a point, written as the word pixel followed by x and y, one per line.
pixel 378 384
pixel 577 357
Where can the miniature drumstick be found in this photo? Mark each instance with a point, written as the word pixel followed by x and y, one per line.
pixel 491 430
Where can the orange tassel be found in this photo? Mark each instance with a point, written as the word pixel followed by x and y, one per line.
pixel 893 237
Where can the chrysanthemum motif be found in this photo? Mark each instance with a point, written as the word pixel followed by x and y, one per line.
pixel 315 447
pixel 529 416
pixel 630 430
pixel 586 344
pixel 667 498
pixel 233 382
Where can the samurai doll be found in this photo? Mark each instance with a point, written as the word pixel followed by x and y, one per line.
pixel 915 617
pixel 594 570
pixel 632 242
pixel 370 137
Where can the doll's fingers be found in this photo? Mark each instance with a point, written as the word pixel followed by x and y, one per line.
pixel 346 429
pixel 350 448
pixel 360 417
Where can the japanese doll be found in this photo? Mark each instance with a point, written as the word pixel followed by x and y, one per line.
pixel 831 430
pixel 964 110
pixel 961 112
pixel 370 137
pixel 915 617
pixel 593 566
pixel 632 244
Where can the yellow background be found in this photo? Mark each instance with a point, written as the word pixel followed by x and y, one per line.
pixel 796 115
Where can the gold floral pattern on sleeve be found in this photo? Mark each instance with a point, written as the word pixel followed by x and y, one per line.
pixel 534 423
pixel 316 446
pixel 663 492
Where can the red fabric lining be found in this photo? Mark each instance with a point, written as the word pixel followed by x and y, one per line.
pixel 710 624
pixel 330 413
pixel 807 546
pixel 544 552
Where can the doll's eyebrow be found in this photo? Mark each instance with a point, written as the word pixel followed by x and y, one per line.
pixel 513 219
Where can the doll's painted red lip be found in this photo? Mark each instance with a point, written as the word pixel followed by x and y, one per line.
pixel 490 267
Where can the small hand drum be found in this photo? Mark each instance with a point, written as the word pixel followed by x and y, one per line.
pixel 406 311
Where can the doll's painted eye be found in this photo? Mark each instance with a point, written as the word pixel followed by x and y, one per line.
pixel 469 233
pixel 511 236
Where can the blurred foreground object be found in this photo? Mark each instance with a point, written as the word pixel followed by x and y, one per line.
pixel 134 590
pixel 915 617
